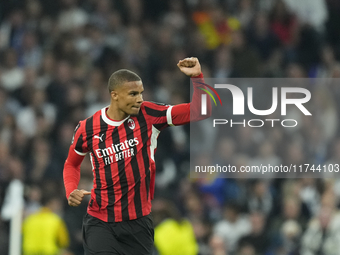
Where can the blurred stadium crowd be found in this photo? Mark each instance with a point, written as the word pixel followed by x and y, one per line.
pixel 55 60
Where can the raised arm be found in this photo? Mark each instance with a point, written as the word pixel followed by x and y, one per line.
pixel 181 113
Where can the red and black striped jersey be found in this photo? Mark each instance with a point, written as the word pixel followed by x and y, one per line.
pixel 122 157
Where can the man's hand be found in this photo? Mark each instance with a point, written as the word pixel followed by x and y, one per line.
pixel 190 66
pixel 77 196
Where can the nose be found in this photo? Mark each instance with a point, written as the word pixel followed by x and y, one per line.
pixel 140 98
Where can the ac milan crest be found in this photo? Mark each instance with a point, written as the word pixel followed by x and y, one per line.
pixel 131 124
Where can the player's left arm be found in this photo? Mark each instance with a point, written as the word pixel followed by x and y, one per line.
pixel 184 113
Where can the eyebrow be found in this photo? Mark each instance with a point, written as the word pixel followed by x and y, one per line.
pixel 136 91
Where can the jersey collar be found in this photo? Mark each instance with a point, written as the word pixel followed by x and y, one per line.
pixel 111 122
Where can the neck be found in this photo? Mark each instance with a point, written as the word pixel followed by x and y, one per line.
pixel 115 114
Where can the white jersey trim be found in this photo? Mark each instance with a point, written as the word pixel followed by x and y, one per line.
pixel 153 145
pixel 80 153
pixel 111 122
pixel 169 117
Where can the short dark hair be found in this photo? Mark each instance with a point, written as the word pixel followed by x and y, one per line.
pixel 120 77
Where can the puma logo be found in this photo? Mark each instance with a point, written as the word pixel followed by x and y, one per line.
pixel 99 137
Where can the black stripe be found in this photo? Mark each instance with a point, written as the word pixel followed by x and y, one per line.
pixel 122 178
pixel 144 134
pixel 89 134
pixel 108 174
pixel 79 144
pixel 154 112
pixel 136 174
pixel 160 125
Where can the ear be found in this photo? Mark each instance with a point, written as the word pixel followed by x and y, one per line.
pixel 114 95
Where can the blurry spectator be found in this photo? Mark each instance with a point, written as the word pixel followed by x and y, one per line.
pixel 328 61
pixel 57 89
pixel 20 144
pixel 246 249
pixel 289 240
pixel 266 156
pixel 247 140
pixel 310 194
pixel 12 30
pixel 34 14
pixel 232 227
pixel 260 199
pixel 313 13
pixel 45 232
pixel 4 161
pixel 38 117
pixel 174 235
pixel 202 233
pixel 175 17
pixel 295 70
pixel 46 71
pixel 246 60
pixel 216 25
pixel 94 87
pixel 291 211
pixel 71 17
pixel 116 31
pixel 6 129
pixel 12 76
pixel 225 151
pixel 258 237
pixel 283 24
pixel 217 246
pixel 33 200
pixel 291 235
pixel 136 50
pixel 322 235
pixel 30 53
pixel 25 93
pixel 194 207
pixel 325 113
pixel 13 201
pixel 246 12
pixel 8 105
pixel 224 63
pixel 261 37
pixel 41 165
pixel 274 65
pixel 102 13
pixel 294 153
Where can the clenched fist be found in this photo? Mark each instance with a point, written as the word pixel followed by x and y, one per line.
pixel 77 196
pixel 190 66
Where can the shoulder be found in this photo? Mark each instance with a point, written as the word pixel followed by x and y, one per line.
pixel 154 105
pixel 154 109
